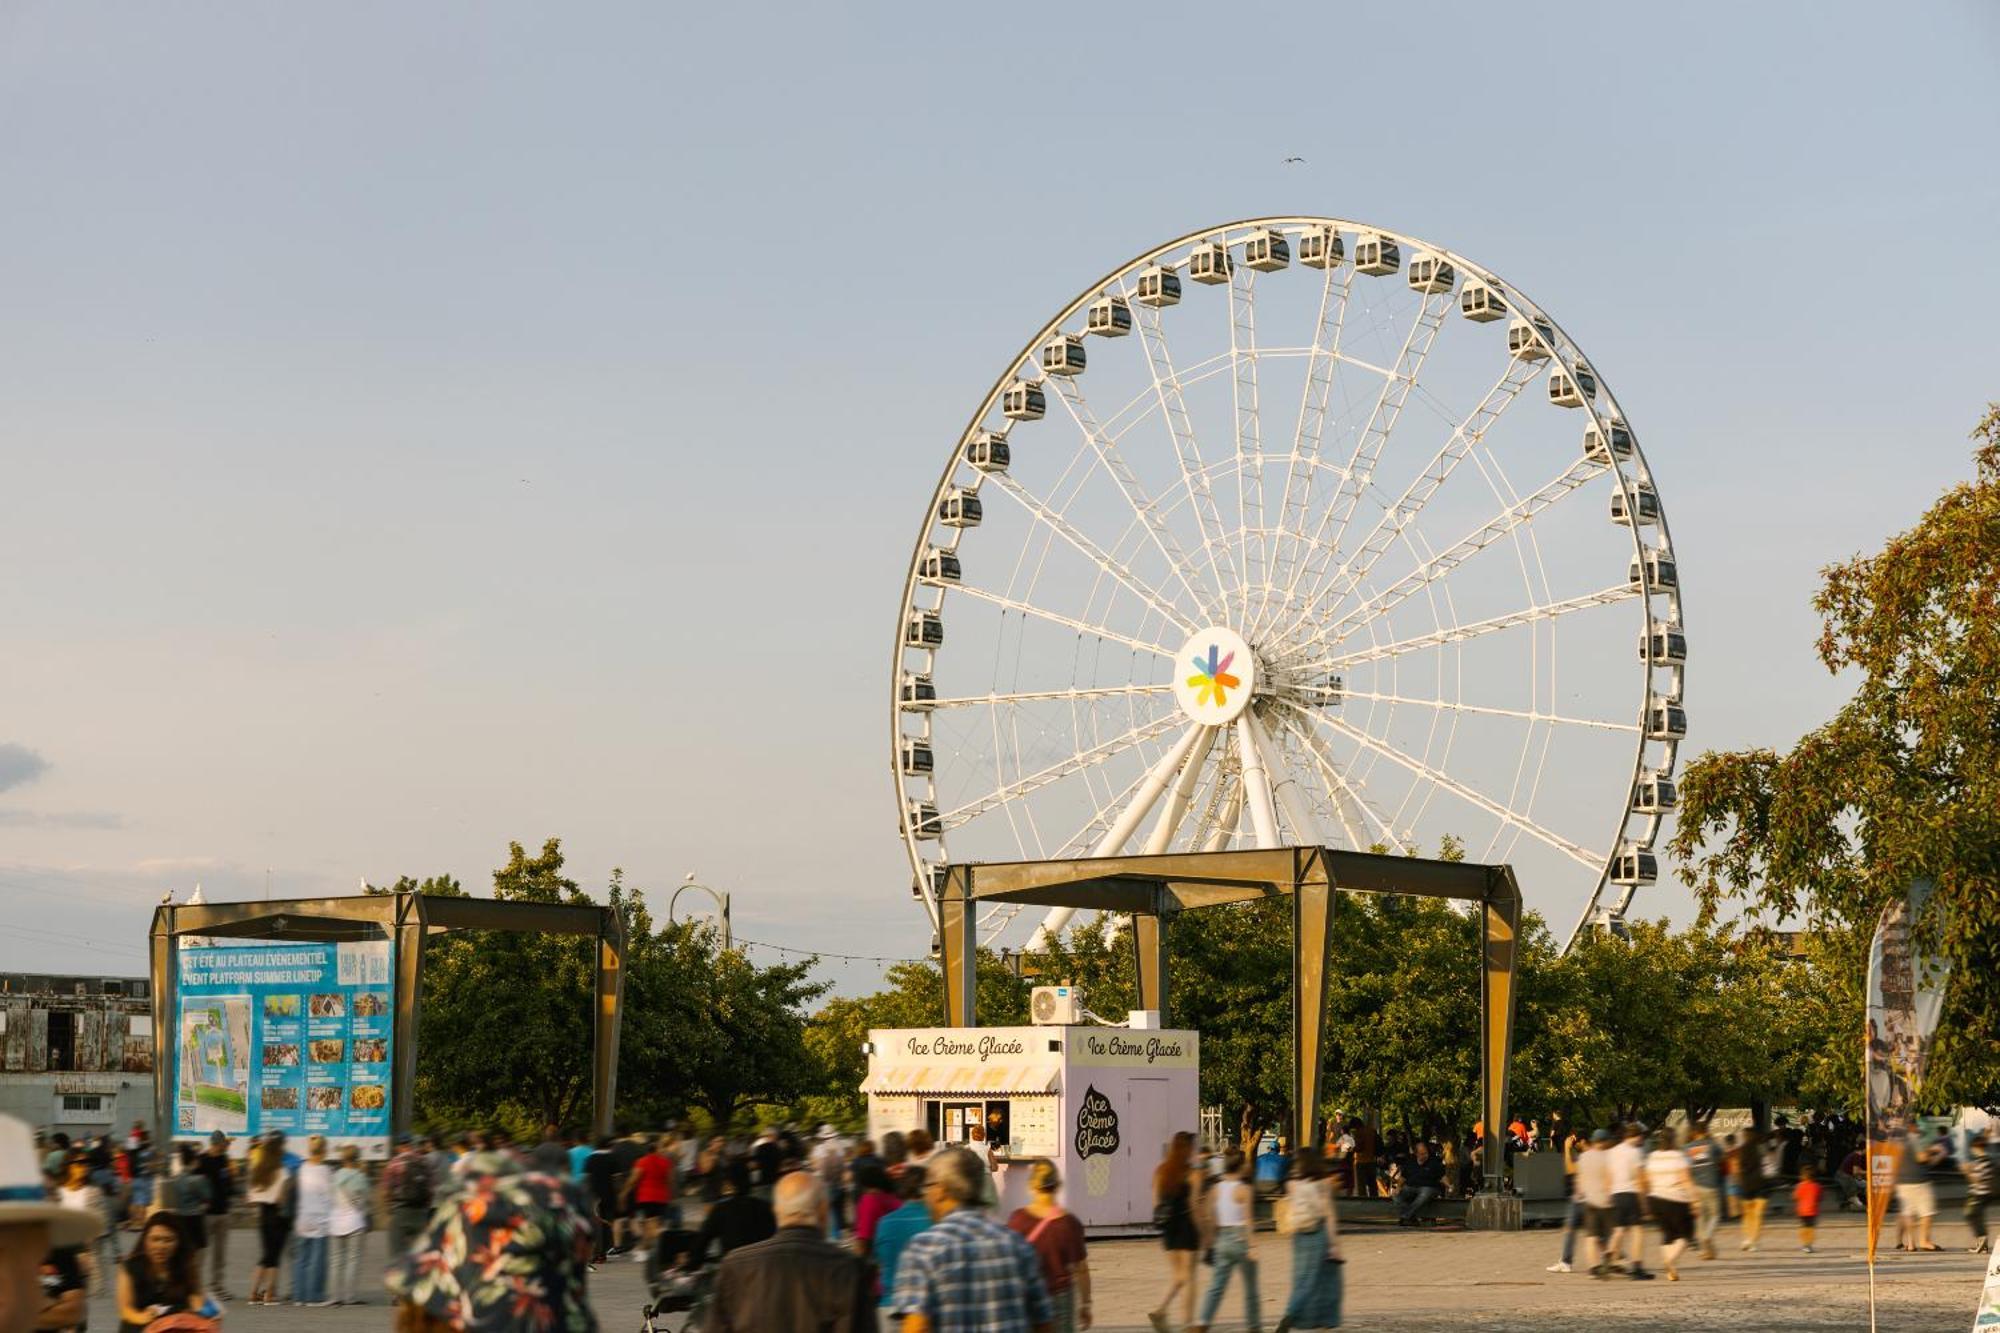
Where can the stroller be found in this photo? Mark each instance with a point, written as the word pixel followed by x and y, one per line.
pixel 679 1284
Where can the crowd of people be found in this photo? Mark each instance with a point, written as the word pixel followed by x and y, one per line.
pixel 783 1229
pixel 1688 1183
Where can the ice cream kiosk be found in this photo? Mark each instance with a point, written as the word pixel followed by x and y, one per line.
pixel 1100 1102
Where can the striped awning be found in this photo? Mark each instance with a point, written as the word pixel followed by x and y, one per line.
pixel 942 1080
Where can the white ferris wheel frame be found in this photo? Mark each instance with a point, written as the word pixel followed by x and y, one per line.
pixel 1170 784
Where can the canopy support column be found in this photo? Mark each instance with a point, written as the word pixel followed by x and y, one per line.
pixel 411 922
pixel 610 1000
pixel 1500 927
pixel 959 946
pixel 1312 966
pixel 1149 938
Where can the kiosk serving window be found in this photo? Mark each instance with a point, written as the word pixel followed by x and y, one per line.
pixel 1100 1103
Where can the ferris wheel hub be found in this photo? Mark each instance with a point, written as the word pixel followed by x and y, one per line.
pixel 1215 675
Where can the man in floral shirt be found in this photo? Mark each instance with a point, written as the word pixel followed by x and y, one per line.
pixel 509 1254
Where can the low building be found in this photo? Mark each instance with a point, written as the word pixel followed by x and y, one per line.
pixel 76 1053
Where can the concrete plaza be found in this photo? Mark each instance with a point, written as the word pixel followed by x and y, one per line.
pixel 1408 1280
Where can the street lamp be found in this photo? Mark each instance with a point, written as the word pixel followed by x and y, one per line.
pixel 721 904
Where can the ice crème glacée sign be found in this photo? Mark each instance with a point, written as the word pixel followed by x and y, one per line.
pixel 1154 1050
pixel 1096 1125
pixel 985 1047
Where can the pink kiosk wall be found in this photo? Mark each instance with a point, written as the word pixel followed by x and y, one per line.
pixel 1102 1103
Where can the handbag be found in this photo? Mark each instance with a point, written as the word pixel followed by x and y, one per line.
pixel 1163 1215
pixel 1281 1215
pixel 184 1321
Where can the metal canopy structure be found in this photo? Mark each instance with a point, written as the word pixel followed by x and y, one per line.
pixel 1337 471
pixel 1153 889
pixel 407 919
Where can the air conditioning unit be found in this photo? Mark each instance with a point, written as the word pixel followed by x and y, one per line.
pixel 1055 1006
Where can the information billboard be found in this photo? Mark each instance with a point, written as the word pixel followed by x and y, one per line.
pixel 290 1037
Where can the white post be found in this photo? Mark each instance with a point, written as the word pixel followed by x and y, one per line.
pixel 1256 784
pixel 1122 829
pixel 1291 802
pixel 1175 809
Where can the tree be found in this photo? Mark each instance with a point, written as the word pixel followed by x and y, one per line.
pixel 506 1028
pixel 913 998
pixel 1902 783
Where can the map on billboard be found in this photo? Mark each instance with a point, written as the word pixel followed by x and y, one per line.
pixel 290 1037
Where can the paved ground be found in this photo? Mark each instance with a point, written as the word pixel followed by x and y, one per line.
pixel 1409 1280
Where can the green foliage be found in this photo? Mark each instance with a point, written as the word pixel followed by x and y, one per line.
pixel 1903 782
pixel 705 1027
pixel 505 1031
pixel 913 998
pixel 505 1026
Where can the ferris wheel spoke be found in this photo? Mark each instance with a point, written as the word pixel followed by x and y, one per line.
pixel 1321 366
pixel 1143 505
pixel 1465 437
pixel 1451 557
pixel 1286 793
pixel 1360 471
pixel 1056 772
pixel 1167 389
pixel 1345 799
pixel 1256 783
pixel 1144 796
pixel 1249 437
pixel 1101 818
pixel 1032 696
pixel 1617 592
pixel 1453 705
pixel 1089 549
pixel 1445 782
pixel 1006 603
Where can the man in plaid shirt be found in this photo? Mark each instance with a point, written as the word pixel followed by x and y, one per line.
pixel 968 1273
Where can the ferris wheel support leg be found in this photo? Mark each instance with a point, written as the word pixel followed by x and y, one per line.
pixel 1305 832
pixel 1256 784
pixel 1171 814
pixel 1122 828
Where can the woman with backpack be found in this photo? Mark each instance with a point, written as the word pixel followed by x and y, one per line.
pixel 271 1194
pixel 1057 1239
pixel 185 1193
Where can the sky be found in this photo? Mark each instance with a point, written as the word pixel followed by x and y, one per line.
pixel 429 427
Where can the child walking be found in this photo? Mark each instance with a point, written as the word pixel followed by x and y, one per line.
pixel 1805 1201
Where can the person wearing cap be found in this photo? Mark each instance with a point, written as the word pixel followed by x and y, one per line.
pixel 1593 1186
pixel 1628 1198
pixel 41 1271
pixel 829 1162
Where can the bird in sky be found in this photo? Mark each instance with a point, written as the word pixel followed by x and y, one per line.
pixel 1290 160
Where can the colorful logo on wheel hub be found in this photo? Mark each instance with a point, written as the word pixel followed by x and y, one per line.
pixel 1215 675
pixel 1211 681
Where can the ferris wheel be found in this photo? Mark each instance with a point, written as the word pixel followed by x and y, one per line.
pixel 1294 530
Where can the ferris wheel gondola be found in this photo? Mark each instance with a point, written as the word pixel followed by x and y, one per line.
pixel 1279 560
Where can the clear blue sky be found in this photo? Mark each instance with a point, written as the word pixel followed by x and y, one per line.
pixel 429 426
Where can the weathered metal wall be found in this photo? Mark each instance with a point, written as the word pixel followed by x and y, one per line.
pixel 101 1036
